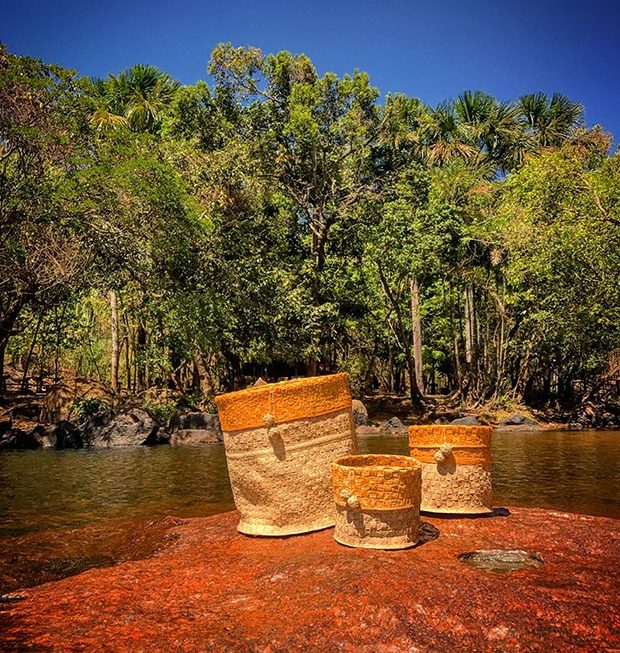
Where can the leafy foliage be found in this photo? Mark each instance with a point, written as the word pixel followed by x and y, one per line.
pixel 280 223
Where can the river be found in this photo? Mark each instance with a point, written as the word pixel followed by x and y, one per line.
pixel 77 498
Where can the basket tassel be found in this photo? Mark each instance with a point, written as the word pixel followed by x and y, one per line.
pixel 443 453
pixel 351 499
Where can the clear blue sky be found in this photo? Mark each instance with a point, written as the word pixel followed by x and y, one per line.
pixel 431 49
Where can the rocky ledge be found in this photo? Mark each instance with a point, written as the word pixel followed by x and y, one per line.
pixel 212 589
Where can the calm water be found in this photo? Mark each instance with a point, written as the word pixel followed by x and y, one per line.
pixel 40 490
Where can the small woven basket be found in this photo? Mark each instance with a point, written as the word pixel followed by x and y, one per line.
pixel 456 467
pixel 377 501
pixel 280 440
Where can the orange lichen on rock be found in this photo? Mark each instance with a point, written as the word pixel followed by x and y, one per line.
pixel 214 590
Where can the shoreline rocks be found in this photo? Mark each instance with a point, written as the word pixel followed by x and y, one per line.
pixel 107 429
pixel 360 413
pixel 195 428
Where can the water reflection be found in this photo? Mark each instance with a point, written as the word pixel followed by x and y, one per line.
pixel 572 471
pixel 65 489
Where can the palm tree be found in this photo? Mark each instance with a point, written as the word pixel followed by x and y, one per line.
pixel 550 121
pixel 442 138
pixel 138 98
pixel 148 92
pixel 493 127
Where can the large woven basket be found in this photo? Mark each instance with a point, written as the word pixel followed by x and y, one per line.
pixel 280 441
pixel 456 467
pixel 377 501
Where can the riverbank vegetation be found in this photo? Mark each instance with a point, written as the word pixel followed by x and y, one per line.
pixel 276 222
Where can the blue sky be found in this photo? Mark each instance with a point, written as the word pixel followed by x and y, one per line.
pixel 430 49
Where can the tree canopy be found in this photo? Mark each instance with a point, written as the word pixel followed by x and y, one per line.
pixel 275 221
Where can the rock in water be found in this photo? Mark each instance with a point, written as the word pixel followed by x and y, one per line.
pixel 195 428
pixel 466 421
pixel 360 414
pixel 6 424
pixel 518 422
pixel 394 427
pixel 130 429
pixel 20 439
pixel 63 435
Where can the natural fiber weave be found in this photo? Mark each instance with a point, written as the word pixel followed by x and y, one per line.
pixel 377 501
pixel 280 469
pixel 284 402
pixel 456 467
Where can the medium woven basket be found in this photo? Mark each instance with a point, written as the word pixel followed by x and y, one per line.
pixel 377 501
pixel 280 440
pixel 456 467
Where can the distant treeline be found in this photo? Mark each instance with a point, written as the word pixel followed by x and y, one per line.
pixel 276 222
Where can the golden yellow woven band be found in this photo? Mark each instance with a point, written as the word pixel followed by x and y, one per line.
pixel 460 455
pixel 378 481
pixel 277 403
pixel 458 435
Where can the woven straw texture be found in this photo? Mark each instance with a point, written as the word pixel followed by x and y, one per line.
pixel 455 479
pixel 284 402
pixel 281 473
pixel 377 501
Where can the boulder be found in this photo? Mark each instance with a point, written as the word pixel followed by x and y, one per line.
pixel 518 422
pixel 26 411
pixel 360 414
pixel 134 428
pixel 23 438
pixel 60 396
pixel 195 428
pixel 6 424
pixel 192 437
pixel 466 421
pixel 368 431
pixel 394 427
pixel 7 441
pixel 63 435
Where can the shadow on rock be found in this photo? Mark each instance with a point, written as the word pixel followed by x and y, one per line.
pixel 496 512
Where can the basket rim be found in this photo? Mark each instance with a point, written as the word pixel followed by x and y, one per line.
pixel 306 381
pixel 408 461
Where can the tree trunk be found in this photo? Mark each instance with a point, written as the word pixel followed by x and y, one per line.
pixel 140 357
pixel 469 323
pixel 403 341
pixel 115 346
pixel 31 350
pixel 416 329
pixel 7 322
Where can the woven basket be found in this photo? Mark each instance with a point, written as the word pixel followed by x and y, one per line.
pixel 280 440
pixel 377 501
pixel 456 467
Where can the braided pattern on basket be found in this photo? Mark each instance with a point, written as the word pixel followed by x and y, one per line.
pixel 458 435
pixel 277 403
pixel 280 471
pixel 382 529
pixel 465 489
pixel 377 501
pixel 456 467
pixel 380 482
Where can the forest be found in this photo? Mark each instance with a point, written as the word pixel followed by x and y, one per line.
pixel 184 240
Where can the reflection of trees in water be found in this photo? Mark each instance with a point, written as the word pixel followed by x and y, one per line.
pixel 567 470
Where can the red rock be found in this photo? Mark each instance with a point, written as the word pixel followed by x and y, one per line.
pixel 212 589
